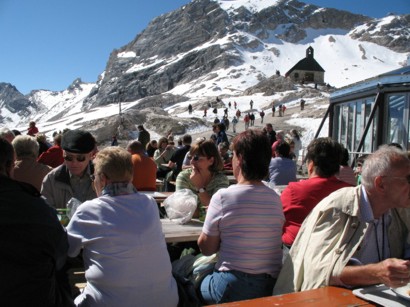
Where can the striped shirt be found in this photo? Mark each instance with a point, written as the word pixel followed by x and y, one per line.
pixel 248 219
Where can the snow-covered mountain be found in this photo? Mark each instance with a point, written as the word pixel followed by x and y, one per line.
pixel 218 48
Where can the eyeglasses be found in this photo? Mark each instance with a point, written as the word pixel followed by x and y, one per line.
pixel 194 157
pixel 80 158
pixel 404 177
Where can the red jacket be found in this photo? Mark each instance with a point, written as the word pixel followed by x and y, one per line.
pixel 32 131
pixel 52 157
pixel 299 199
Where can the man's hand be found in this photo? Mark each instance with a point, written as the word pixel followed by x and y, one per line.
pixel 394 272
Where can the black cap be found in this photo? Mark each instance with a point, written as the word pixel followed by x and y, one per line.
pixel 78 141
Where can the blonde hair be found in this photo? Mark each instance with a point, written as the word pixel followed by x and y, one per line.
pixel 115 163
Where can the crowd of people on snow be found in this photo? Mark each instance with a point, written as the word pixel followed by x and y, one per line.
pixel 340 226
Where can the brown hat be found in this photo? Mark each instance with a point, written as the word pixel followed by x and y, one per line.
pixel 78 141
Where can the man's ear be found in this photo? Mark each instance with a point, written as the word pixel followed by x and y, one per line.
pixel 310 167
pixel 379 184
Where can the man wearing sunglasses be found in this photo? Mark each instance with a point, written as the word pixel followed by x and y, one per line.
pixel 71 179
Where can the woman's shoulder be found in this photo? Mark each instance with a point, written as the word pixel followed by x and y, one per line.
pixel 186 172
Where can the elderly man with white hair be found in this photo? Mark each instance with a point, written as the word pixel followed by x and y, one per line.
pixel 7 134
pixel 27 169
pixel 357 236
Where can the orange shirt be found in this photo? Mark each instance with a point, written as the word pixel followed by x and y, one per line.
pixel 145 173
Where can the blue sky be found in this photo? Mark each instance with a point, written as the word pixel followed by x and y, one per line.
pixel 46 44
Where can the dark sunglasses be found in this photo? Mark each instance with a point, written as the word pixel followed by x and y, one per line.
pixel 72 158
pixel 194 157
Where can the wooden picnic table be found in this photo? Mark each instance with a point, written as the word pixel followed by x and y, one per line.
pixel 175 232
pixel 158 196
pixel 326 296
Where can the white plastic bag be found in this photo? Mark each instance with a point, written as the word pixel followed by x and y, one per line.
pixel 181 205
pixel 72 206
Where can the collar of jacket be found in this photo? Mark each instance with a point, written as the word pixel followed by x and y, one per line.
pixel 63 174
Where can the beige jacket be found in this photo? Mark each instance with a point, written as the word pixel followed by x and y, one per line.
pixel 30 171
pixel 328 239
pixel 57 189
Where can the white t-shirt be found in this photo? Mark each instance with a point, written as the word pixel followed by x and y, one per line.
pixel 125 255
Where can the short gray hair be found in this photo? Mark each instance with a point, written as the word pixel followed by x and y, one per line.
pixel 4 132
pixel 25 146
pixel 382 162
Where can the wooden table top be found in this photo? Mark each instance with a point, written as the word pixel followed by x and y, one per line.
pixel 158 196
pixel 326 296
pixel 181 233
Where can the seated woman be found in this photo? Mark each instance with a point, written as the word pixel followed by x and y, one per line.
pixel 282 169
pixel 152 146
pixel 244 224
pixel 162 156
pixel 223 149
pixel 124 251
pixel 205 177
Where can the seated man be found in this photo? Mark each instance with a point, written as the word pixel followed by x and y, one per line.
pixel 144 168
pixel 71 179
pixel 299 198
pixel 7 134
pixel 282 169
pixel 357 235
pixel 26 168
pixel 33 243
pixel 177 160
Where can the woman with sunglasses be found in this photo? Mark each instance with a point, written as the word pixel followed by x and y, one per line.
pixel 244 225
pixel 124 251
pixel 205 177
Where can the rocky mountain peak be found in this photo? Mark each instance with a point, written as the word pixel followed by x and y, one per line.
pixel 12 99
pixel 210 48
pixel 200 38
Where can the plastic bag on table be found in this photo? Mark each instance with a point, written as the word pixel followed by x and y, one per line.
pixel 72 206
pixel 181 206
